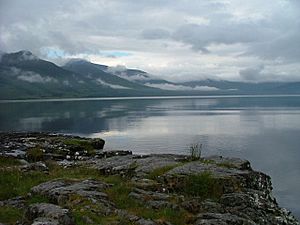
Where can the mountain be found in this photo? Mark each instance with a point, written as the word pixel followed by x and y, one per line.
pixel 236 87
pixel 138 76
pixel 24 76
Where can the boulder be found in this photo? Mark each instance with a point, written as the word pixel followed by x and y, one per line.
pixel 45 213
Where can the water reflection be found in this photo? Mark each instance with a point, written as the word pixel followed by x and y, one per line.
pixel 264 130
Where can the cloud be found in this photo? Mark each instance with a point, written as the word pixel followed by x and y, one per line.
pixel 181 87
pixel 252 74
pixel 29 76
pixel 35 78
pixel 167 38
pixel 156 33
pixel 114 86
pixel 115 69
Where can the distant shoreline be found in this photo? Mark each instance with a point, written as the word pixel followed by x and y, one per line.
pixel 146 98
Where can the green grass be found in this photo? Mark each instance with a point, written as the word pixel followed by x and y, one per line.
pixel 201 185
pixel 14 183
pixel 10 215
pixel 35 154
pixel 119 195
pixel 79 144
pixel 7 161
pixel 226 165
pixel 160 171
pixel 37 199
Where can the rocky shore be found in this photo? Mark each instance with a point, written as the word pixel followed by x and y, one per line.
pixel 50 179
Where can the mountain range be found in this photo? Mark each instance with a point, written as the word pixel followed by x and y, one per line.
pixel 25 76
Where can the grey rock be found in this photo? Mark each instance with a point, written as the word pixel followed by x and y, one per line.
pixel 237 163
pixel 45 213
pixel 145 222
pixel 17 202
pixel 60 190
pixel 218 218
pixel 37 166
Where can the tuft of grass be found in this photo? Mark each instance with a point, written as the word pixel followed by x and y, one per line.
pixel 35 154
pixel 195 151
pixel 8 161
pixel 15 183
pixel 154 174
pixel 76 144
pixel 37 199
pixel 10 215
pixel 202 185
pixel 119 194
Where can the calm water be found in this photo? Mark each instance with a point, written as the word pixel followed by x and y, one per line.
pixel 265 130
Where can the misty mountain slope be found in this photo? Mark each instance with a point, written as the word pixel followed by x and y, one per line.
pixel 23 75
pixel 137 76
pixel 97 73
pixel 244 87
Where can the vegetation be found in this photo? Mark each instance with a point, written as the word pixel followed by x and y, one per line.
pixel 202 185
pixel 226 165
pixel 195 151
pixel 7 161
pixel 10 215
pixel 35 154
pixel 76 144
pixel 14 183
pixel 160 171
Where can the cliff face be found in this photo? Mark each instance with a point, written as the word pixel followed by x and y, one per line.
pixel 70 180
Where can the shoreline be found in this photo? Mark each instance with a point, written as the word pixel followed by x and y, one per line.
pixel 146 98
pixel 71 180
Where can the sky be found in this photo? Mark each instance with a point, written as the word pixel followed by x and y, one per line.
pixel 178 40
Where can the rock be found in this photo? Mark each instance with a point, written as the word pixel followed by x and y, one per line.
pixel 108 154
pixel 237 163
pixel 60 190
pixel 156 182
pixel 218 218
pixel 145 222
pixel 45 213
pixel 16 154
pixel 37 166
pixel 97 143
pixel 197 205
pixel 17 202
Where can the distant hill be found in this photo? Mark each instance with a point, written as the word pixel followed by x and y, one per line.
pixel 23 76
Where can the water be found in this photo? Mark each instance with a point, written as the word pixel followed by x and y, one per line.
pixel 265 130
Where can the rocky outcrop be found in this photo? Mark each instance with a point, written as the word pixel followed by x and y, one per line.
pixel 44 213
pixel 134 189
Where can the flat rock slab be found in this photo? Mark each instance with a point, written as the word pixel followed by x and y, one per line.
pixel 59 191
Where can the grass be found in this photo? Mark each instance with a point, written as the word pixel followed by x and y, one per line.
pixel 14 183
pixel 10 215
pixel 195 151
pixel 7 161
pixel 79 144
pixel 119 194
pixel 201 185
pixel 37 199
pixel 226 165
pixel 160 171
pixel 35 154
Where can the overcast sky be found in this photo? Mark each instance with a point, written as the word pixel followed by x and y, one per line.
pixel 257 40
